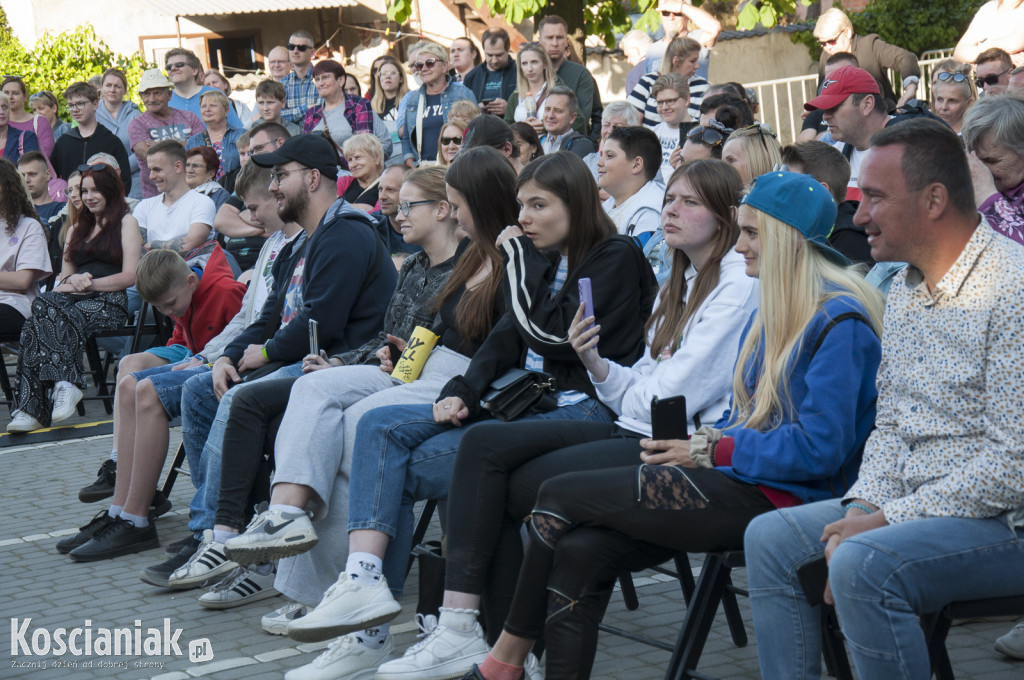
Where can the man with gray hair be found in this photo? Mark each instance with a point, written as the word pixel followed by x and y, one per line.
pixel 560 111
pixel 616 114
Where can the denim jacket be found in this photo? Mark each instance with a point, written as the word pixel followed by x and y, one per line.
pixel 410 104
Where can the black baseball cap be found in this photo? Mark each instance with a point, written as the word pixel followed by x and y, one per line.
pixel 310 150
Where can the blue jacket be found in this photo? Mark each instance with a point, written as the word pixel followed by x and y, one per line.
pixel 815 453
pixel 410 103
pixel 229 150
pixel 29 143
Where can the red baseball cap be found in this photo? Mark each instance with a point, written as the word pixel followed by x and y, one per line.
pixel 840 84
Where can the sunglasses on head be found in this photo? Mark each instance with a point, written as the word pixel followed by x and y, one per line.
pixel 301 48
pixel 708 135
pixel 955 77
pixel 85 167
pixel 992 79
pixel 420 65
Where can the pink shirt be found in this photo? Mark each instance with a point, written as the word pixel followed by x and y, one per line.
pixel 180 125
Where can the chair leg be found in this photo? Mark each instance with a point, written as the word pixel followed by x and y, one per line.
pixel 172 474
pixel 732 614
pixel 936 628
pixel 685 577
pixel 699 617
pixel 833 649
pixel 421 529
pixel 5 385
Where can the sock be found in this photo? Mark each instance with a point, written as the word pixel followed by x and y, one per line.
pixel 113 455
pixel 460 619
pixel 374 638
pixel 222 536
pixel 364 566
pixel 492 669
pixel 264 569
pixel 285 508
pixel 139 522
pixel 115 510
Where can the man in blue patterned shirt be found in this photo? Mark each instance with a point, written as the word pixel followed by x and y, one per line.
pixel 299 89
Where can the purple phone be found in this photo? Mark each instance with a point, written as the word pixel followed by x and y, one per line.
pixel 587 298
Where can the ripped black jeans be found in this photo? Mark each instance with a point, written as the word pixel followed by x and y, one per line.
pixel 589 526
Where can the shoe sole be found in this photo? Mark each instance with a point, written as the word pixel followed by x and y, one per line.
pixel 264 594
pixel 258 554
pixel 199 581
pixel 126 550
pixel 153 580
pixel 1005 650
pixel 160 510
pixel 318 633
pixel 430 673
pixel 93 496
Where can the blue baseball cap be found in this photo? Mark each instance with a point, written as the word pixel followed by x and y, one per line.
pixel 801 202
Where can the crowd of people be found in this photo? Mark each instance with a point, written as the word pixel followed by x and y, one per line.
pixel 482 288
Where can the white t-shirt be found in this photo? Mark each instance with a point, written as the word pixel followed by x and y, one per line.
pixel 24 249
pixel 852 187
pixel 642 210
pixel 163 223
pixel 669 139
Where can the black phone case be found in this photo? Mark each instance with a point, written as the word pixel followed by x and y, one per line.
pixel 668 418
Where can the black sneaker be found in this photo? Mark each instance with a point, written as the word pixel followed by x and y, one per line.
pixel 103 487
pixel 100 521
pixel 173 548
pixel 120 537
pixel 158 574
pixel 160 505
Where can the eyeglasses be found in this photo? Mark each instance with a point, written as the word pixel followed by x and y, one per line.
pixel 301 48
pixel 955 77
pixel 195 166
pixel 420 65
pixel 830 41
pixel 706 134
pixel 406 206
pixel 666 102
pixel 279 175
pixel 74 106
pixel 667 13
pixel 992 79
pixel 258 148
pixel 445 141
pixel 86 167
pixel 176 65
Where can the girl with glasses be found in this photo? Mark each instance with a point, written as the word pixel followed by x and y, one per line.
pixel 387 88
pixel 671 94
pixel 426 108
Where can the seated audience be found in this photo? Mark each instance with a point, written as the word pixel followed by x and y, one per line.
pixel 463 57
pixel 993 132
pixel 489 130
pixel 270 99
pixel 702 142
pixel 525 137
pixel 387 219
pixel 629 163
pixel 116 114
pixel 826 164
pixel 178 218
pixel 671 99
pixel 922 526
pixel 44 103
pixel 219 81
pixel 201 301
pixel 814 125
pixel 201 166
pixel 952 95
pixel 992 70
pixel 341 115
pixel 219 135
pixel 386 92
pixel 21 119
pixel 735 110
pixel 534 80
pixel 24 259
pixel 365 161
pixel 634 46
pixel 681 58
pixel 420 130
pixel 493 81
pixel 615 114
pixel 88 137
pixel 36 173
pixel 753 151
pixel 450 140
pixel 560 111
pixel 99 261
pixel 17 141
pixel 185 72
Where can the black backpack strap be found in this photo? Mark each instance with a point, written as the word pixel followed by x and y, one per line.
pixel 835 321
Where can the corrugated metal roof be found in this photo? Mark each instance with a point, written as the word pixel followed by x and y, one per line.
pixel 191 8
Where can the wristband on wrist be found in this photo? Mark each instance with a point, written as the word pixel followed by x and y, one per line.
pixel 861 506
pixel 263 351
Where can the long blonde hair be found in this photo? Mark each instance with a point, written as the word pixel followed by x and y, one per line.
pixel 549 70
pixel 795 281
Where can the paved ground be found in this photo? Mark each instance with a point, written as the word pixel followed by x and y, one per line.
pixel 40 488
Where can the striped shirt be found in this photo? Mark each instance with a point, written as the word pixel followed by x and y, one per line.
pixel 642 100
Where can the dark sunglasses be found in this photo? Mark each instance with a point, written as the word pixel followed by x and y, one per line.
pixel 301 48
pixel 708 135
pixel 420 65
pixel 86 167
pixel 955 77
pixel 668 13
pixel 445 141
pixel 992 79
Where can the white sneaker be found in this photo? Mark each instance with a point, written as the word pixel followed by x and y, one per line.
pixel 1012 644
pixel 276 622
pixel 349 605
pixel 208 564
pixel 345 659
pixel 532 669
pixel 444 653
pixel 241 586
pixel 23 422
pixel 272 534
pixel 65 398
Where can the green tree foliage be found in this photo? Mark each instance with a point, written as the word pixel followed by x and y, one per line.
pixel 765 13
pixel 56 61
pixel 914 25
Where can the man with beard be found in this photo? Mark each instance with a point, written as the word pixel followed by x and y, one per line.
pixel 340 276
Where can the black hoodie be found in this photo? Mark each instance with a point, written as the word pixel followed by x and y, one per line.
pixel 72 150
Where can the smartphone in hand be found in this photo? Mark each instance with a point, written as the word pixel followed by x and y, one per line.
pixel 314 339
pixel 668 418
pixel 587 298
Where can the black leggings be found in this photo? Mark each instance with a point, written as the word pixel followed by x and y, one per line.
pixel 11 322
pixel 248 451
pixel 498 470
pixel 588 526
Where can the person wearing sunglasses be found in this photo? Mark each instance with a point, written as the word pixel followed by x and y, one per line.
pixel 88 137
pixel 753 151
pixel 677 17
pixel 992 69
pixel 835 34
pixel 298 84
pixel 186 74
pixel 702 142
pixel 425 109
pixel 450 141
pixel 952 95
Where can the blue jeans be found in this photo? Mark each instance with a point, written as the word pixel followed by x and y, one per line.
pixel 402 456
pixel 168 384
pixel 881 580
pixel 203 419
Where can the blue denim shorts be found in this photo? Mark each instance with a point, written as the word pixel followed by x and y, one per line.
pixel 168 383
